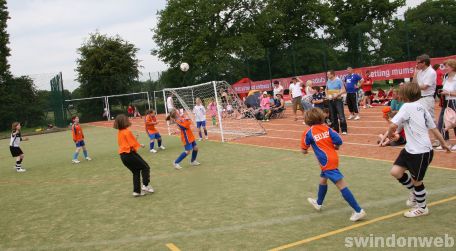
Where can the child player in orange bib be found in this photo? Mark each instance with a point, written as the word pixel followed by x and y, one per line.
pixel 128 151
pixel 187 138
pixel 325 141
pixel 78 138
pixel 151 122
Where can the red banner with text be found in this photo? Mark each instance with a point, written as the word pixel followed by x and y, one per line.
pixel 379 72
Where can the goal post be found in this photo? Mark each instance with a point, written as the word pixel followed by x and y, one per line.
pixel 87 109
pixel 226 114
pixel 219 114
pixel 99 108
pixel 119 103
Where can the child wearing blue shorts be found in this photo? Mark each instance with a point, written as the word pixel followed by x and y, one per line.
pixel 325 141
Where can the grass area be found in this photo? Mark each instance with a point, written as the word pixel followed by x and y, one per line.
pixel 240 198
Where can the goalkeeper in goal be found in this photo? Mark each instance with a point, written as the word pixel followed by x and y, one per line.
pixel 200 116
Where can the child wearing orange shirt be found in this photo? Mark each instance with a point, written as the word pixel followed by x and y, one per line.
pixel 78 138
pixel 128 147
pixel 152 132
pixel 325 141
pixel 187 138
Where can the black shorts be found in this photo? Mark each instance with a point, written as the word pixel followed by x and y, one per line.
pixel 15 151
pixel 367 93
pixel 416 164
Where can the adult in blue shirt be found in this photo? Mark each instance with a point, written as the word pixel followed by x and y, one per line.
pixel 351 86
pixel 334 90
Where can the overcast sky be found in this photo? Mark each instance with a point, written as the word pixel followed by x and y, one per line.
pixel 45 34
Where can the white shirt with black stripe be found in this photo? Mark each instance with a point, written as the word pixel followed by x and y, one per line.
pixel 15 139
pixel 416 122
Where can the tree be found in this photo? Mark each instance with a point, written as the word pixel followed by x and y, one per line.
pixel 107 65
pixel 4 41
pixel 212 36
pixel 19 102
pixel 227 40
pixel 357 27
pixel 289 30
pixel 428 28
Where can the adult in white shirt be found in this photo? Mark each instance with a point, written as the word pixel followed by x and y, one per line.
pixel 296 95
pixel 448 93
pixel 426 77
pixel 417 154
pixel 278 88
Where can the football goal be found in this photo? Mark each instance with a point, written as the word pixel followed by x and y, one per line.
pixel 226 114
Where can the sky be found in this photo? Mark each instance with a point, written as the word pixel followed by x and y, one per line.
pixel 45 34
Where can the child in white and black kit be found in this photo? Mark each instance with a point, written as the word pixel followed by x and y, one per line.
pixel 14 146
pixel 417 154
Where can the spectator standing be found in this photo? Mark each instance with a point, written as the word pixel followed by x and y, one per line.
pixel 425 77
pixel 366 86
pixel 439 80
pixel 351 87
pixel 296 95
pixel 334 90
pixel 278 88
pixel 448 93
pixel 130 111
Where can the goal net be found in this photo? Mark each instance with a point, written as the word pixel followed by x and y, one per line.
pixel 139 103
pixel 226 114
pixel 107 107
pixel 87 109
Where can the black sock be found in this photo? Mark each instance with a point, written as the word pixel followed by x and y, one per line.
pixel 420 194
pixel 406 181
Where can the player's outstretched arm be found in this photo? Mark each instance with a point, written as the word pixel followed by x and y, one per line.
pixel 438 136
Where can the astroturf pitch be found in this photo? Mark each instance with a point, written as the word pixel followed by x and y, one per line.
pixel 239 198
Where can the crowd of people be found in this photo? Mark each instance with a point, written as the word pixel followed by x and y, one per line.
pixel 356 91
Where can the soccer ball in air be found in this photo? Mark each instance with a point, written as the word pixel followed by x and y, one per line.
pixel 184 67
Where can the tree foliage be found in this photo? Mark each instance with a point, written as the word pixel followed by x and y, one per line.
pixel 429 28
pixel 357 26
pixel 4 41
pixel 269 38
pixel 212 36
pixel 19 102
pixel 106 66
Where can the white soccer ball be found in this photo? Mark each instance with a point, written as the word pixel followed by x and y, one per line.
pixel 112 117
pixel 184 67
